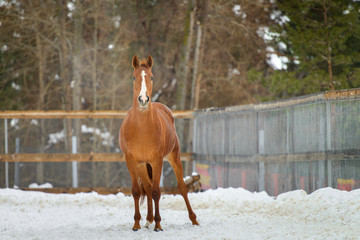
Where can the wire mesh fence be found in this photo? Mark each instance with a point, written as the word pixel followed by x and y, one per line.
pixel 54 136
pixel 303 143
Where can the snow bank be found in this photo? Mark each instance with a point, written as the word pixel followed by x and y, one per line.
pixel 222 214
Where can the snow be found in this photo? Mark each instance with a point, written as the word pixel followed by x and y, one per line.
pixel 107 138
pixel 279 18
pixel 116 21
pixel 54 138
pixel 45 185
pixel 223 214
pixel 14 123
pixel 4 48
pixel 237 10
pixel 275 61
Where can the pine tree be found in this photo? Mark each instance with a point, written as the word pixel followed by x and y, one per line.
pixel 322 39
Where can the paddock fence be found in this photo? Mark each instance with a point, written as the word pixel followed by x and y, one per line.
pixel 41 150
pixel 305 143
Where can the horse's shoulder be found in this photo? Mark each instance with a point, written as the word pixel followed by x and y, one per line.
pixel 165 110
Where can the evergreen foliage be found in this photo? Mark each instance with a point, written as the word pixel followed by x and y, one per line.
pixel 322 41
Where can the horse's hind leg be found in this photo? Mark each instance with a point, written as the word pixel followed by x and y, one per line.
pixel 150 214
pixel 175 162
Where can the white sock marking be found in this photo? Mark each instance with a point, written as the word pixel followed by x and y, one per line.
pixel 147 224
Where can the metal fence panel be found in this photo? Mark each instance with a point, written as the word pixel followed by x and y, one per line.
pixel 302 143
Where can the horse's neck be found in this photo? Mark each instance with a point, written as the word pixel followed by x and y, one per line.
pixel 145 118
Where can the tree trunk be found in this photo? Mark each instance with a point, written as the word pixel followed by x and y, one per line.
pixel 183 71
pixel 182 75
pixel 41 102
pixel 77 68
pixel 94 78
pixel 196 65
pixel 329 58
pixel 201 13
pixel 65 82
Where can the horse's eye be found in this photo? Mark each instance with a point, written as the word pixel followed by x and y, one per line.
pixel 134 78
pixel 152 78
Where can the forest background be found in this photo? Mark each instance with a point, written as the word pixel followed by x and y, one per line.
pixel 76 55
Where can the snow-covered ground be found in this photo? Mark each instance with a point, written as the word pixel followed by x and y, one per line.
pixel 222 214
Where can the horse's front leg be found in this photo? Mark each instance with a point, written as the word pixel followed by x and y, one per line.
pixel 136 193
pixel 156 194
pixel 135 190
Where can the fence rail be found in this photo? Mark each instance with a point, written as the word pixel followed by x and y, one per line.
pixel 59 114
pixel 51 163
pixel 73 157
pixel 100 190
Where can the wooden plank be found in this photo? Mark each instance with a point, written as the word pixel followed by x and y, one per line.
pixel 62 157
pixel 348 93
pixel 79 157
pixel 100 190
pixel 295 157
pixel 189 114
pixel 58 114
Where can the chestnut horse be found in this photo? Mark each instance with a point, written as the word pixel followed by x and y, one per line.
pixel 147 135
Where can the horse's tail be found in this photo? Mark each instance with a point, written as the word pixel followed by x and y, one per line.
pixel 143 192
pixel 145 180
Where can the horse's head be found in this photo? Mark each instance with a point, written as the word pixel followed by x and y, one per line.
pixel 143 81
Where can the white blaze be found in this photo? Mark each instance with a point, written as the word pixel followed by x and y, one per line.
pixel 143 87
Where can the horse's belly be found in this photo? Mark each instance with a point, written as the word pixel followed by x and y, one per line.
pixel 150 148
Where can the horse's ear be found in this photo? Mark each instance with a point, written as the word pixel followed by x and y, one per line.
pixel 135 62
pixel 149 61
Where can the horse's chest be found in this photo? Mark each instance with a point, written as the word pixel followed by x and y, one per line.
pixel 147 143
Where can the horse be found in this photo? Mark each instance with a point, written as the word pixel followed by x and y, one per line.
pixel 146 136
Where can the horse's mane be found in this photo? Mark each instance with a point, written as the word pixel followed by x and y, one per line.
pixel 144 63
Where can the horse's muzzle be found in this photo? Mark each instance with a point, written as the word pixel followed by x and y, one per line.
pixel 143 104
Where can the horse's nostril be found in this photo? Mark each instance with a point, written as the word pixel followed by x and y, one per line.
pixel 140 99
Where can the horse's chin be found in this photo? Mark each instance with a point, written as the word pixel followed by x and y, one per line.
pixel 143 107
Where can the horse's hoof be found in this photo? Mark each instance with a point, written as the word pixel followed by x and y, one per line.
pixel 195 223
pixel 158 230
pixel 136 227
